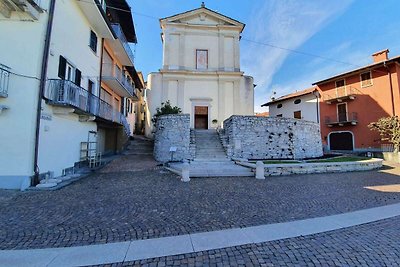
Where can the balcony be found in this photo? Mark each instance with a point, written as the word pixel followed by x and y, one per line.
pixel 121 46
pixel 4 79
pixel 113 76
pixel 341 94
pixel 342 119
pixel 31 7
pixel 66 93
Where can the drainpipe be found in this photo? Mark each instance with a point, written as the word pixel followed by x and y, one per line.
pixel 316 94
pixel 391 87
pixel 42 86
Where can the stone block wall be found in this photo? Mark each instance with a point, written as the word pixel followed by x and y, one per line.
pixel 173 131
pixel 252 137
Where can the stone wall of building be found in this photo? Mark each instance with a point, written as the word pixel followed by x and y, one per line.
pixel 173 131
pixel 252 137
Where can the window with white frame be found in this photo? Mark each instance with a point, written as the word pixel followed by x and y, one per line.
pixel 366 79
pixel 93 41
pixel 67 71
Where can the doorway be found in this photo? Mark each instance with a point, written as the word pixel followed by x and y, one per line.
pixel 341 141
pixel 201 117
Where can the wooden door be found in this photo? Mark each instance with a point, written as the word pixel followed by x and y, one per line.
pixel 342 112
pixel 341 141
pixel 201 117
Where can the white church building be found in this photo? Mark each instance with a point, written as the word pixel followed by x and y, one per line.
pixel 201 69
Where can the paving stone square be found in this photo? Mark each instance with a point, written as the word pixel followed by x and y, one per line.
pixel 120 205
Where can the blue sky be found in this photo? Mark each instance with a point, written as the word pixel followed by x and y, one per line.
pixel 343 30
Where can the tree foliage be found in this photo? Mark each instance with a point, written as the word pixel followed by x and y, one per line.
pixel 166 108
pixel 389 129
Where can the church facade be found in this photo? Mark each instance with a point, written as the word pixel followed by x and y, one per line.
pixel 201 69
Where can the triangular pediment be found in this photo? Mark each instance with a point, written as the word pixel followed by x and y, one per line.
pixel 203 16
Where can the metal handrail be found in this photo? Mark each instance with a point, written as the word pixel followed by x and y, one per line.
pixel 110 70
pixel 121 37
pixel 350 117
pixel 64 92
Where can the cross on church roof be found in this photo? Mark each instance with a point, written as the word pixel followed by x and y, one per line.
pixel 203 5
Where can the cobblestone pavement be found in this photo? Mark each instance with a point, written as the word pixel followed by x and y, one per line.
pixel 128 205
pixel 374 244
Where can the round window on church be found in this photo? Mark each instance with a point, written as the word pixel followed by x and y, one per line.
pixel 297 101
pixel 279 106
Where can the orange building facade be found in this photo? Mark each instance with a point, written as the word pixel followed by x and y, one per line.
pixel 351 100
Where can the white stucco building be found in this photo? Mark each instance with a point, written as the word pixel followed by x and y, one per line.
pixel 51 87
pixel 299 105
pixel 201 69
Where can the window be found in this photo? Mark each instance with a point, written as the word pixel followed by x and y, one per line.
pixel 366 79
pixel 297 114
pixel 340 83
pixel 279 106
pixel 93 41
pixel 90 86
pixel 201 59
pixel 279 115
pixel 297 101
pixel 67 71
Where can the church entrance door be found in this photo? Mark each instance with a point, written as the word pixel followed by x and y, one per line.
pixel 201 117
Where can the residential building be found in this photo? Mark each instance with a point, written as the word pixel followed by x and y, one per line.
pixel 201 69
pixel 352 100
pixel 50 85
pixel 299 105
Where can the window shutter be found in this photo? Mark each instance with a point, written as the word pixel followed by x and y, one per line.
pixel 78 77
pixel 62 64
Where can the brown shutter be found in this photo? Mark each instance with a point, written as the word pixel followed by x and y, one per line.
pixel 78 77
pixel 62 64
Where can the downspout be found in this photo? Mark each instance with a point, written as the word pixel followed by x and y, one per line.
pixel 391 87
pixel 42 86
pixel 316 94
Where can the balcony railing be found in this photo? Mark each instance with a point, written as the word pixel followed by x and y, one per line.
pixel 341 94
pixel 66 93
pixel 121 37
pixel 342 119
pixel 4 80
pixel 112 72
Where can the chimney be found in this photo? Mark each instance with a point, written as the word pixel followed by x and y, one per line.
pixel 381 55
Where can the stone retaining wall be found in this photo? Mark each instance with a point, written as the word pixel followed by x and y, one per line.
pixel 173 131
pixel 310 168
pixel 252 137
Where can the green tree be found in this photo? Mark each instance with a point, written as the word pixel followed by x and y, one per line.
pixel 389 129
pixel 166 108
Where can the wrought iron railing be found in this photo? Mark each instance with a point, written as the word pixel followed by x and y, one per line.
pixel 342 118
pixel 112 71
pixel 4 80
pixel 121 37
pixel 66 93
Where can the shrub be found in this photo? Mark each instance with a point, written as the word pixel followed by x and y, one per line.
pixel 389 129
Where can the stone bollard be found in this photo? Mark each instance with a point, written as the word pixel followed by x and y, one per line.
pixel 185 172
pixel 260 170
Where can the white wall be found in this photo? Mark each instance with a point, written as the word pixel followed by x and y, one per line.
pixel 60 138
pixel 308 108
pixel 21 51
pixel 60 135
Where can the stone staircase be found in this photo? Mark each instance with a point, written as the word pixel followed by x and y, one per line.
pixel 139 145
pixel 208 146
pixel 210 158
